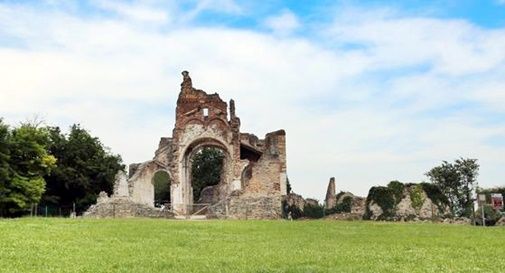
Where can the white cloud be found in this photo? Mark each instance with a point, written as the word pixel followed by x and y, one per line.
pixel 284 23
pixel 348 113
pixel 137 12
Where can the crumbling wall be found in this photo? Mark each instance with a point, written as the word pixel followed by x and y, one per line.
pixel 405 202
pixel 247 207
pixel 255 168
pixel 331 198
pixel 123 208
pixel 122 205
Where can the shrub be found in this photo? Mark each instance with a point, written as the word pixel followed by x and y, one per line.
pixel 344 206
pixel 296 212
pixel 397 187
pixel 313 211
pixel 436 196
pixel 491 216
pixel 416 196
pixel 383 197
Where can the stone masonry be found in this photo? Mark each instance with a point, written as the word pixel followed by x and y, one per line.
pixel 331 198
pixel 253 178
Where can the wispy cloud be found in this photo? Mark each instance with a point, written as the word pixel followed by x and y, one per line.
pixel 366 98
pixel 284 23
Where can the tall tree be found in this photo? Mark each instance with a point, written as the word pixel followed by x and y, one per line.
pixel 468 170
pixel 24 161
pixel 206 169
pixel 457 181
pixel 4 155
pixel 85 167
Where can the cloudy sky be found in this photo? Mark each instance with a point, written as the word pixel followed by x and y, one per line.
pixel 367 91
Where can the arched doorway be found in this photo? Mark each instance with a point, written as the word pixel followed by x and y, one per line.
pixel 205 173
pixel 161 182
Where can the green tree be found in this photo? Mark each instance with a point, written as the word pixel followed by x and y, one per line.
pixel 4 155
pixel 24 161
pixel 468 170
pixel 85 168
pixel 161 182
pixel 457 181
pixel 206 169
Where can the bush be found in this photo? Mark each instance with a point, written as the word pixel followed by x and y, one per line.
pixel 313 211
pixel 416 197
pixel 345 206
pixel 436 196
pixel 384 197
pixel 491 216
pixel 397 187
pixel 294 210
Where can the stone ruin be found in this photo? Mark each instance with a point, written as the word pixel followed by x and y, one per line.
pixel 121 205
pixel 414 202
pixel 333 199
pixel 253 179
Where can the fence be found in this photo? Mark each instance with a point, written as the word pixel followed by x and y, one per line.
pixel 37 210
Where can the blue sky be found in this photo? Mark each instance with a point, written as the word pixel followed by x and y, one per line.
pixel 368 91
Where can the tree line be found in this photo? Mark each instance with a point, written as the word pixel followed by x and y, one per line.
pixel 42 165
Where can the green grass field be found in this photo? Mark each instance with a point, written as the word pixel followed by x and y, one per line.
pixel 151 245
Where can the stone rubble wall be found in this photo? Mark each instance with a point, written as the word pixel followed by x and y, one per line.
pixel 405 209
pixel 358 205
pixel 247 207
pixel 117 207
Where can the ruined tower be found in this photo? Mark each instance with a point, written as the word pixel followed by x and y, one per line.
pixel 331 199
pixel 254 170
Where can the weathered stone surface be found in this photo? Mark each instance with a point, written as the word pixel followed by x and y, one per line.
pixel 341 195
pixel 311 202
pixel 358 205
pixel 405 210
pixel 208 195
pixel 330 201
pixel 121 207
pixel 255 168
pixel 247 207
pixel 375 210
pixel 121 185
pixel 294 200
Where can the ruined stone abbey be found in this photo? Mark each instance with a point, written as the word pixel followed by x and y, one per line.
pixel 253 177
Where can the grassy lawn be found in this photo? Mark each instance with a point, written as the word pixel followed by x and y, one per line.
pixel 150 245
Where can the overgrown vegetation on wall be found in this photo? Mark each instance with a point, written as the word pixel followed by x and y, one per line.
pixel 417 196
pixel 388 198
pixel 384 197
pixel 436 196
pixel 343 207
pixel 314 211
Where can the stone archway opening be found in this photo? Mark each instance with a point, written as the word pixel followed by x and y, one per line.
pixel 162 182
pixel 207 172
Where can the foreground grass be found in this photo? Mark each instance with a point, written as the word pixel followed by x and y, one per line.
pixel 149 245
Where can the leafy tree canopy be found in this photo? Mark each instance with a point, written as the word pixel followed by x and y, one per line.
pixel 457 181
pixel 24 160
pixel 206 169
pixel 85 168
